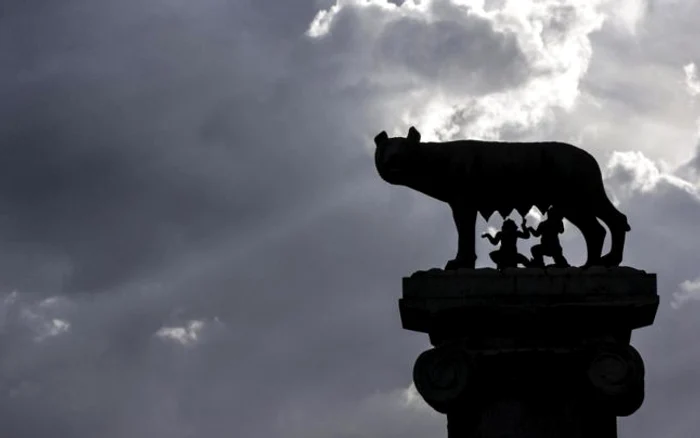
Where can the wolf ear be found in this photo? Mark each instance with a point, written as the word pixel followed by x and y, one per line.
pixel 413 135
pixel 381 138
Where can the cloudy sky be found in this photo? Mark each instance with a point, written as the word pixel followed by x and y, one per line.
pixel 194 241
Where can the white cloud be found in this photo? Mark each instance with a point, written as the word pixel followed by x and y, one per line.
pixel 43 319
pixel 192 332
pixel 552 51
pixel 53 327
pixel 634 172
pixel 691 79
pixel 689 291
pixel 627 15
pixel 187 335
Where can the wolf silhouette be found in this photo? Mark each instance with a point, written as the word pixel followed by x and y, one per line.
pixel 474 176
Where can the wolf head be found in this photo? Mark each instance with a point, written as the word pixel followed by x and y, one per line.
pixel 397 158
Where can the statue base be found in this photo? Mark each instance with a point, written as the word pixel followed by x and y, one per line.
pixel 530 352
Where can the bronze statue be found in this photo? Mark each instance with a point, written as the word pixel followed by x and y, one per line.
pixel 507 256
pixel 549 245
pixel 475 176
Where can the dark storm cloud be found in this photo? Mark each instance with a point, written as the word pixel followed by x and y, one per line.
pixel 141 150
pixel 131 140
pixel 129 134
pixel 229 183
pixel 206 163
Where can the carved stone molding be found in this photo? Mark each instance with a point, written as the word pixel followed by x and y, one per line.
pixel 616 375
pixel 442 377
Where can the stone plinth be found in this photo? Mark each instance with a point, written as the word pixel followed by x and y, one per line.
pixel 530 352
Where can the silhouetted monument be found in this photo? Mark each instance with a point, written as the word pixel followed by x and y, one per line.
pixel 483 177
pixel 528 352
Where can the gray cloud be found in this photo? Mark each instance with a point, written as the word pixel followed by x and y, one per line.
pixel 122 153
pixel 191 184
pixel 466 56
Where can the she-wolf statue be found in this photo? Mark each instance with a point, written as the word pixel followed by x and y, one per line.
pixel 475 176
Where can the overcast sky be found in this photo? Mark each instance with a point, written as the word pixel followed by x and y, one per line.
pixel 194 241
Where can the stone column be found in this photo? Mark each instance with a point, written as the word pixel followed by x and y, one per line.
pixel 530 353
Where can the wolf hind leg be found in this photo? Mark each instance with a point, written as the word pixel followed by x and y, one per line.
pixel 593 233
pixel 618 225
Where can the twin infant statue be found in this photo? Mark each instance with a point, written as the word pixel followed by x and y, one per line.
pixel 507 256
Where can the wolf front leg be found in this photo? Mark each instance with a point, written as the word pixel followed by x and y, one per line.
pixel 465 220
